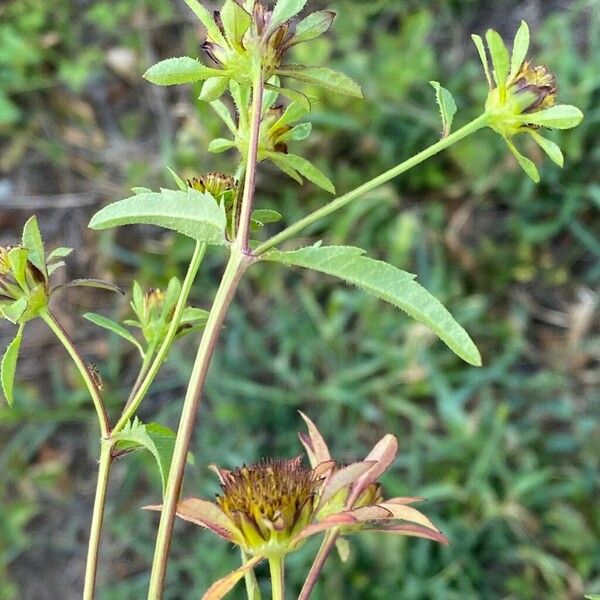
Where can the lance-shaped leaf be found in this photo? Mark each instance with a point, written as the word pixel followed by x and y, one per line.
pixel 295 163
pixel 110 325
pixel 192 213
pixel 447 106
pixel 324 77
pixel 182 69
pixel 388 283
pixel 13 312
pixel 520 48
pixel 527 165
pixel 561 116
pixel 500 59
pixel 32 241
pixel 284 10
pixel 9 366
pixel 478 41
pixel 313 26
pixel 155 438
pixel 207 20
pixel 93 283
pixel 236 22
pixel 549 147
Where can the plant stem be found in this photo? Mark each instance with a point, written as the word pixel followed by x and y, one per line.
pixel 97 518
pixel 134 402
pixel 250 179
pixel 340 202
pixel 277 569
pixel 235 268
pixel 83 368
pixel 315 569
pixel 239 261
pixel 252 589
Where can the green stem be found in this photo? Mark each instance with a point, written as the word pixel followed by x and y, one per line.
pixel 317 566
pixel 146 364
pixel 97 519
pixel 233 272
pixel 252 589
pixel 134 403
pixel 83 369
pixel 340 202
pixel 277 569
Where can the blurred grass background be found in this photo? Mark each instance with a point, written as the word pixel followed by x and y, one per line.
pixel 507 455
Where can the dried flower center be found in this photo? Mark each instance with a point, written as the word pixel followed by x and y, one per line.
pixel 216 184
pixel 271 490
pixel 538 83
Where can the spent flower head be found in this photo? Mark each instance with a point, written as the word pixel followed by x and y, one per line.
pixel 270 508
pixel 522 97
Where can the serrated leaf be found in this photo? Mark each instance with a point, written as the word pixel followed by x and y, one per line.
pixel 561 116
pixel 155 438
pixel 499 56
pixel 224 114
pixel 212 89
pixel 182 69
pixel 59 253
pixel 520 49
pixel 8 366
pixel 549 147
pixel 13 312
pixel 446 105
pixel 306 169
pixel 313 26
pixel 527 165
pixel 236 21
pixel 207 20
pixel 32 240
pixel 220 145
pixel 324 77
pixel 478 41
pixel 110 325
pixel 388 283
pixel 283 11
pixel 297 97
pixel 192 213
pixel 17 257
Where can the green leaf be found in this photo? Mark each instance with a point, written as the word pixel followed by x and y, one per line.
pixel 220 145
pixel 180 183
pixel 32 240
pixel 93 283
pixel 298 133
pixel 279 160
pixel 266 215
pixel 241 98
pixel 549 147
pixel 192 213
pixel 158 440
pixel 236 22
pixel 55 266
pixel 283 11
pixel 313 26
pixel 561 116
pixel 182 69
pixel 388 283
pixel 207 20
pixel 9 366
pixel 307 169
pixel 499 55
pixel 13 312
pixel 592 597
pixel 324 77
pixel 520 49
pixel 293 112
pixel 59 253
pixel 140 190
pixel 527 165
pixel 110 325
pixel 17 257
pixel 212 89
pixel 293 95
pixel 482 55
pixel 447 106
pixel 224 115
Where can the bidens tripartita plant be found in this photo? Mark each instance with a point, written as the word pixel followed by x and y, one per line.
pixel 270 508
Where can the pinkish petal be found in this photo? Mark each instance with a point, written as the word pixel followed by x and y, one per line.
pixel 383 454
pixel 323 468
pixel 335 520
pixel 222 474
pixel 221 587
pixel 371 513
pixel 314 443
pixel 413 531
pixel 405 500
pixel 206 514
pixel 342 478
pixel 408 513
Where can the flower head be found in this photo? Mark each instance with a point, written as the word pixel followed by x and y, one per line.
pixel 522 97
pixel 270 508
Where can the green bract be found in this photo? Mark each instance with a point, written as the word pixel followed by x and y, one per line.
pixel 522 97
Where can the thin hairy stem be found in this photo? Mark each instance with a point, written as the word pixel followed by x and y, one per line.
pixel 239 260
pixel 91 565
pixel 83 368
pixel 252 589
pixel 277 570
pixel 134 402
pixel 334 205
pixel 317 566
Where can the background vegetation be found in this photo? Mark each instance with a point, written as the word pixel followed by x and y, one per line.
pixel 507 455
